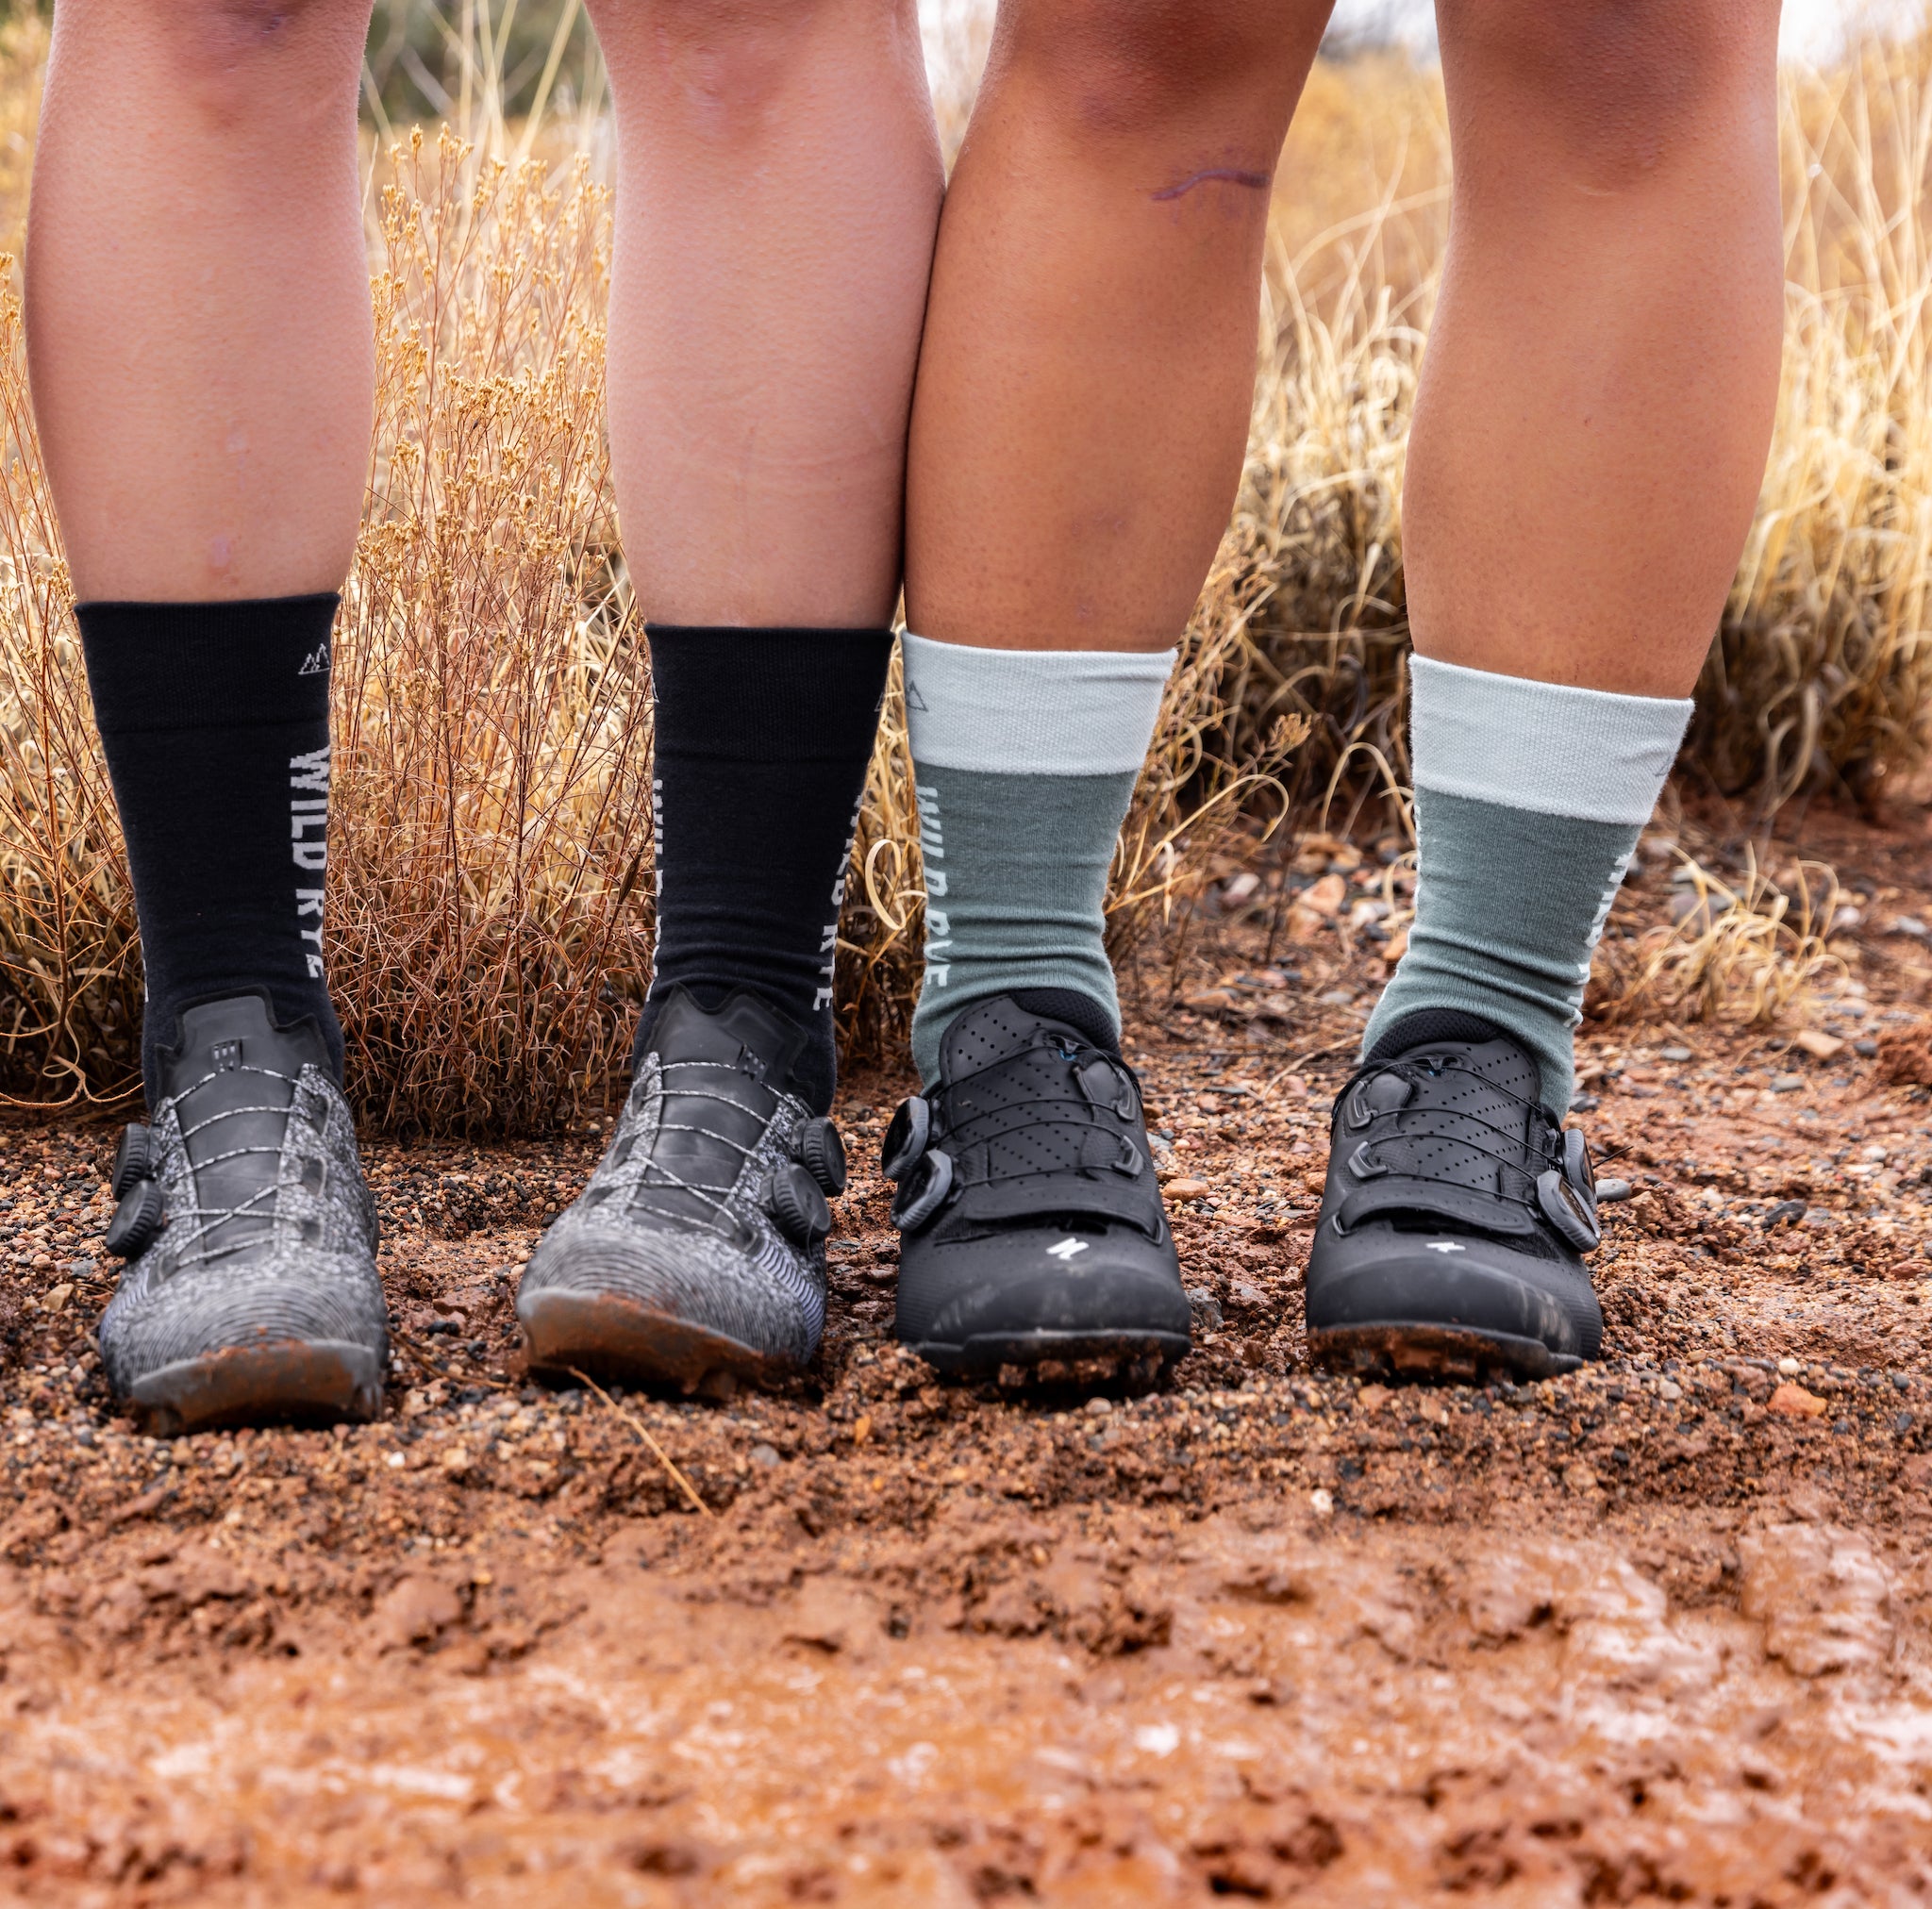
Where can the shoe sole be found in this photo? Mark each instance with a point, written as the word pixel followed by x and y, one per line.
pixel 1417 1349
pixel 612 1338
pixel 307 1380
pixel 986 1353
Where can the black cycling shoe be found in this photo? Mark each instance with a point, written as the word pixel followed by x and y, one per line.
pixel 1457 1214
pixel 1031 1225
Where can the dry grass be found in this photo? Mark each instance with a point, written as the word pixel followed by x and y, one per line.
pixel 491 866
pixel 1751 952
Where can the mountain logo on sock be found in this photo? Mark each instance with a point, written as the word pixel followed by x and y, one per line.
pixel 914 700
pixel 317 664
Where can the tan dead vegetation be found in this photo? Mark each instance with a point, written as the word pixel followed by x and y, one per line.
pixel 492 886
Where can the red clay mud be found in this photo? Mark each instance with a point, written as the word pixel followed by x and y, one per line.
pixel 1654 1632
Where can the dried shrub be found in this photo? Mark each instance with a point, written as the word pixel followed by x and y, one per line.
pixel 489 878
pixel 1750 952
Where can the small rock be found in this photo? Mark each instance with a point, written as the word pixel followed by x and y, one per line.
pixel 1099 1409
pixel 1846 918
pixel 1794 1401
pixel 1789 1367
pixel 1187 1189
pixel 1787 1084
pixel 1322 1501
pixel 57 1298
pixel 1579 1477
pixel 1866 1049
pixel 415 1611
pixel 1786 1213
pixel 832 1616
pixel 1819 1220
pixel 1675 1053
pixel 1371 1398
pixel 1817 1044
pixel 1609 1193
pixel 1670 1391
pixel 1910 924
pixel 1326 896
pixel 764 1456
pixel 1205 1308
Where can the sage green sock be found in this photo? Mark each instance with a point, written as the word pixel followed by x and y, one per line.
pixel 1025 763
pixel 1529 799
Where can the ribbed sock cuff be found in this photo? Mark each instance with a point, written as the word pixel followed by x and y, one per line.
pixel 152 668
pixel 1032 712
pixel 1552 748
pixel 781 695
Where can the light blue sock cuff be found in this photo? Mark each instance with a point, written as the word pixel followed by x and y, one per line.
pixel 1593 754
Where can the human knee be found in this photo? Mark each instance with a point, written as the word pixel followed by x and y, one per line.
pixel 278 61
pixel 1126 67
pixel 724 60
pixel 1615 83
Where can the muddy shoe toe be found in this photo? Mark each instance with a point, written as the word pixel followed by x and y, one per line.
pixel 695 1256
pixel 251 1291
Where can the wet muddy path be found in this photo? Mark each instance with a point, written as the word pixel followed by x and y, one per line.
pixel 1655 1632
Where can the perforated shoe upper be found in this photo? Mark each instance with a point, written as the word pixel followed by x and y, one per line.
pixel 1455 1198
pixel 1051 1222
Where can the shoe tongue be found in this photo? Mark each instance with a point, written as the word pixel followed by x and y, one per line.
pixel 719 1073
pixel 995 1031
pixel 232 1079
pixel 1480 1045
pixel 744 1032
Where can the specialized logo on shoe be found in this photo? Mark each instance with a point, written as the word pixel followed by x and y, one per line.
pixel 317 663
pixel 1063 1249
pixel 1446 1246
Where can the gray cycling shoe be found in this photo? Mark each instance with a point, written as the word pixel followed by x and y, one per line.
pixel 251 1292
pixel 696 1255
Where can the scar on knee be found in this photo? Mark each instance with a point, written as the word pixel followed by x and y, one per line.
pixel 1227 176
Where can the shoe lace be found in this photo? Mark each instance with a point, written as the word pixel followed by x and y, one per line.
pixel 1516 1159
pixel 209 1220
pixel 672 1181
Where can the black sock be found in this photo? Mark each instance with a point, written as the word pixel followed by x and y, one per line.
pixel 214 718
pixel 762 742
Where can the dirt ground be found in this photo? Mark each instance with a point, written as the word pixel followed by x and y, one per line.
pixel 1655 1632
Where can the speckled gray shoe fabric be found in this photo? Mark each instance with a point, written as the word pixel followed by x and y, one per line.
pixel 696 1255
pixel 251 1291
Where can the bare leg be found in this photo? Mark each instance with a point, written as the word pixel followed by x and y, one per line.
pixel 778 187
pixel 1589 440
pixel 197 284
pixel 1089 360
pixel 1596 404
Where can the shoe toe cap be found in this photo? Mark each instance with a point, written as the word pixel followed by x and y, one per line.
pixel 1380 1277
pixel 764 1297
pixel 1015 1285
pixel 203 1310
